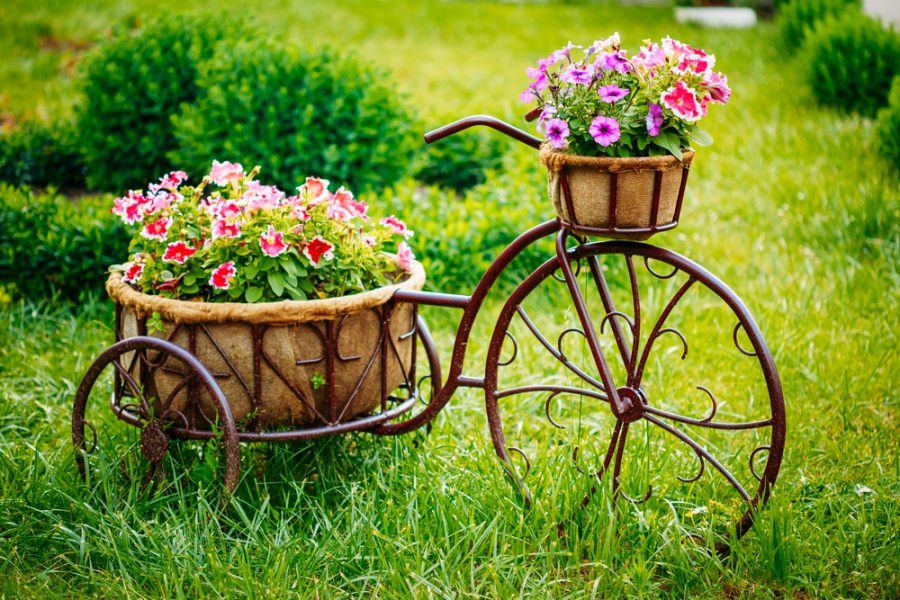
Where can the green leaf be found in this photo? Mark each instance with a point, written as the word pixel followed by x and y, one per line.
pixel 253 293
pixel 276 282
pixel 250 271
pixel 670 143
pixel 700 137
pixel 166 275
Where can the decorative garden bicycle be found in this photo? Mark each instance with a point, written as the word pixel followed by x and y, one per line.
pixel 608 386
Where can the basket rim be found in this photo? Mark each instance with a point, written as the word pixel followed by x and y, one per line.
pixel 556 160
pixel 279 313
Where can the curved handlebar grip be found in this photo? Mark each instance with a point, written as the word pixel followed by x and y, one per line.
pixel 501 126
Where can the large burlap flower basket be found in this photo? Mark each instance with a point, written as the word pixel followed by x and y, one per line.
pixel 590 182
pixel 272 359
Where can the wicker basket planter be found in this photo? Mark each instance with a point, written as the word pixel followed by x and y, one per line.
pixel 625 198
pixel 280 364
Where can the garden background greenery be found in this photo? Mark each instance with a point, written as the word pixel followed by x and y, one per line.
pixel 794 205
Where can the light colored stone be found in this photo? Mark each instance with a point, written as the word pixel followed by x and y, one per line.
pixel 886 10
pixel 717 16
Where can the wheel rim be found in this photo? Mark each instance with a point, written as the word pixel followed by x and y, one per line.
pixel 640 377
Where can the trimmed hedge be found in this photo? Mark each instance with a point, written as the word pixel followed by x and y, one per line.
pixel 42 154
pixel 461 161
pixel 889 126
pixel 851 61
pixel 51 245
pixel 798 18
pixel 132 85
pixel 296 114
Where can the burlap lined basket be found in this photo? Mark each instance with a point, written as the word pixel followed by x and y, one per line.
pixel 590 186
pixel 266 356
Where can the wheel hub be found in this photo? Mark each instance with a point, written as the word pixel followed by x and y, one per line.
pixel 154 443
pixel 634 402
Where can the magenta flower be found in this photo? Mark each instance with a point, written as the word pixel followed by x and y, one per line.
pixel 613 61
pixel 224 173
pixel 612 93
pixel 540 78
pixel 654 120
pixel 222 275
pixel 162 200
pixel 604 130
pixel 556 131
pixel 578 75
pixel 405 256
pixel 169 181
pixel 396 226
pixel 225 209
pixel 178 252
pixel 682 101
pixel 272 242
pixel 223 228
pixel 717 86
pixel 131 208
pixel 317 249
pixel 157 230
pixel 527 96
pixel 133 272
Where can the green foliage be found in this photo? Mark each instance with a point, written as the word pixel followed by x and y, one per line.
pixel 41 154
pixel 460 161
pixel 50 244
pixel 458 238
pixel 851 60
pixel 296 114
pixel 889 126
pixel 131 86
pixel 798 18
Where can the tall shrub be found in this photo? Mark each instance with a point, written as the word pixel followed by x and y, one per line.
pixel 798 18
pixel 132 85
pixel 889 126
pixel 42 154
pixel 295 114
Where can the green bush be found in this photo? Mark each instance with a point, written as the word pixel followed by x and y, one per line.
pixel 296 114
pixel 457 238
pixel 49 244
pixel 889 126
pixel 798 18
pixel 851 61
pixel 460 161
pixel 132 86
pixel 41 154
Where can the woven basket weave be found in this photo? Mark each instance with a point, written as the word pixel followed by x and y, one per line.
pixel 590 181
pixel 292 337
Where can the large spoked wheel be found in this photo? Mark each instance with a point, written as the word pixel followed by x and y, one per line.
pixel 700 444
pixel 134 400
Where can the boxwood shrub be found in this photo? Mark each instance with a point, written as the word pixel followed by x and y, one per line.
pixel 889 126
pixel 40 153
pixel 52 245
pixel 798 18
pixel 851 61
pixel 296 113
pixel 461 161
pixel 132 85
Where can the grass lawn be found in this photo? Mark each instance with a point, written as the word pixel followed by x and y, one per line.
pixel 791 206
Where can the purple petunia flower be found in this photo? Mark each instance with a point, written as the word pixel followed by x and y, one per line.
pixel 604 130
pixel 612 93
pixel 557 130
pixel 613 61
pixel 654 120
pixel 578 75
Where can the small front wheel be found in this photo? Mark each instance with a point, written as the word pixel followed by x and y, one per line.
pixel 134 362
pixel 701 444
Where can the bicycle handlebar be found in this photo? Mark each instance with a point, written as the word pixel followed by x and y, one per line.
pixel 501 126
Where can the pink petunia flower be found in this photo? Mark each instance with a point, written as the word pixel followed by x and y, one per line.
pixel 225 209
pixel 161 201
pixel 612 93
pixel 130 208
pixel 649 57
pixel 405 256
pixel 682 101
pixel 158 229
pixel 225 228
pixel 315 190
pixel 261 197
pixel 178 252
pixel 654 120
pixel 578 75
pixel 396 226
pixel 317 249
pixel 222 275
pixel 225 173
pixel 717 86
pixel 272 242
pixel 527 96
pixel 343 206
pixel 698 62
pixel 556 131
pixel 169 181
pixel 133 272
pixel 369 240
pixel 604 130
